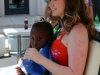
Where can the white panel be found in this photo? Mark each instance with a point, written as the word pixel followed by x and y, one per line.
pixel 2 11
pixel 24 43
pixel 41 7
pixel 33 5
pixel 12 42
pixel 13 46
pixel 2 45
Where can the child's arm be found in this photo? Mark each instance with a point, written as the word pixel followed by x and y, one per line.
pixel 19 71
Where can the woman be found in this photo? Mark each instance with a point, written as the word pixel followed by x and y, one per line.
pixel 69 49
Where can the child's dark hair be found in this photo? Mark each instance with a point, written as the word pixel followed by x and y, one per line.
pixel 45 25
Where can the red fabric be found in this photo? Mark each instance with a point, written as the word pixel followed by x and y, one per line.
pixel 59 52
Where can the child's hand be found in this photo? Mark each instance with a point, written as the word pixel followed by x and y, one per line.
pixel 19 71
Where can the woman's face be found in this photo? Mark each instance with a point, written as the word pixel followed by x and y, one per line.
pixel 57 7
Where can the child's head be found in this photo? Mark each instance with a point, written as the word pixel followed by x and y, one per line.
pixel 41 33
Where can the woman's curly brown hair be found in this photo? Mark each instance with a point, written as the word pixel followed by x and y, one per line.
pixel 76 11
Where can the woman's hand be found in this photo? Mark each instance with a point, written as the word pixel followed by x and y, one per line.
pixel 33 54
pixel 19 71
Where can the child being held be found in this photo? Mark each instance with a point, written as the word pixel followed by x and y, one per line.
pixel 41 34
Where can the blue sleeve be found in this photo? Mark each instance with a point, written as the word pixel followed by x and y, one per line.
pixel 47 1
pixel 90 3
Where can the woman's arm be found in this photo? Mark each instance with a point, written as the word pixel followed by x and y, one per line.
pixel 77 49
pixel 77 52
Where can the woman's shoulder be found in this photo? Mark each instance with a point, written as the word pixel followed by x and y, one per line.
pixel 78 29
pixel 79 32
